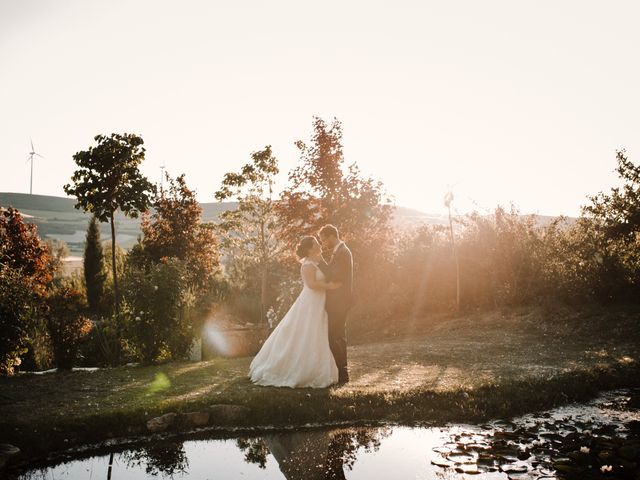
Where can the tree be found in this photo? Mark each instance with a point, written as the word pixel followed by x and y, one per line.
pixel 448 198
pixel 108 180
pixel 320 191
pixel 18 306
pixel 250 229
pixel 94 265
pixel 175 230
pixel 619 211
pixel 21 249
pixel 158 310
pixel 26 271
pixel 58 252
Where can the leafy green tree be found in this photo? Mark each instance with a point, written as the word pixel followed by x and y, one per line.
pixel 619 211
pixel 94 265
pixel 159 310
pixel 108 180
pixel 607 238
pixel 250 231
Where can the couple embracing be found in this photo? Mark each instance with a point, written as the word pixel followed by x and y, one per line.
pixel 308 348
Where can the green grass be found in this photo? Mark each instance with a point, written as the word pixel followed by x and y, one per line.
pixel 461 369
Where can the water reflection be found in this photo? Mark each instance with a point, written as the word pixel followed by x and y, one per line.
pixel 313 455
pixel 165 458
pixel 599 439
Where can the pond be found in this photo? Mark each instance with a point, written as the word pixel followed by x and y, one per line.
pixel 598 439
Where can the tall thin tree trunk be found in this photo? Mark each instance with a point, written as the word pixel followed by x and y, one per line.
pixel 263 261
pixel 116 294
pixel 455 256
pixel 263 293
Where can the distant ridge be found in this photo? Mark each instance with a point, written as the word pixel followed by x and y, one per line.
pixel 57 218
pixel 24 201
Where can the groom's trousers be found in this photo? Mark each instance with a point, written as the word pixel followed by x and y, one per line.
pixel 338 342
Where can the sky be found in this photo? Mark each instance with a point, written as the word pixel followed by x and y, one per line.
pixel 505 102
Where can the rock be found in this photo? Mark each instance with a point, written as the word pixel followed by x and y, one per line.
pixel 195 419
pixel 468 469
pixel 161 423
pixel 225 414
pixel 7 452
pixel 510 469
pixel 442 463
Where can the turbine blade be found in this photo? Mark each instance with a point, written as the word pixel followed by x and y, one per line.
pixel 32 149
pixel 39 155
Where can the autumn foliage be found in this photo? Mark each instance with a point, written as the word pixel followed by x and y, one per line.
pixel 21 249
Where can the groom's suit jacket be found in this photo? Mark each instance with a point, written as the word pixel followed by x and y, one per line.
pixel 339 268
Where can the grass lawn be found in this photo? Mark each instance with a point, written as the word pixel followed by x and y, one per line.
pixel 460 369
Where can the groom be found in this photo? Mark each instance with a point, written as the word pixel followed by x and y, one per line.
pixel 338 269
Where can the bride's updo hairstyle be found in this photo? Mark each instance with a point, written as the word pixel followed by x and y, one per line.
pixel 304 246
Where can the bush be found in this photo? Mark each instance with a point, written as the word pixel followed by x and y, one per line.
pixel 500 259
pixel 102 347
pixel 66 324
pixel 158 305
pixel 582 264
pixel 18 308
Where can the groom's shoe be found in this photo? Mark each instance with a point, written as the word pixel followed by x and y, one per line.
pixel 343 378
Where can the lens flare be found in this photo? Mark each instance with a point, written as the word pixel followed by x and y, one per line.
pixel 217 340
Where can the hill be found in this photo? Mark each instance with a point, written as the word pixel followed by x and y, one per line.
pixel 57 218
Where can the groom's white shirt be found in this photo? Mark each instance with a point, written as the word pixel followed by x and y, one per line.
pixel 335 249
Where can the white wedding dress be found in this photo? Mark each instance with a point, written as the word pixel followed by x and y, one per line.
pixel 297 352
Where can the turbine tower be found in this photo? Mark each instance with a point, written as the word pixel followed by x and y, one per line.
pixel 162 168
pixel 32 154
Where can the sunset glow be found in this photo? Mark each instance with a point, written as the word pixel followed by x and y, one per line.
pixel 507 102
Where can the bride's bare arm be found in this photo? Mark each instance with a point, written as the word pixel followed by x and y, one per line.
pixel 309 276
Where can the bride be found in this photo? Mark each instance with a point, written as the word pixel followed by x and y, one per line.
pixel 297 352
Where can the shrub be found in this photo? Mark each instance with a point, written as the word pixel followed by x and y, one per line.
pixel 18 307
pixel 158 310
pixel 500 259
pixel 22 250
pixel 102 347
pixel 66 324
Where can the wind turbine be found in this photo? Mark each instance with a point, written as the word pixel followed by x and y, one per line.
pixel 32 154
pixel 162 168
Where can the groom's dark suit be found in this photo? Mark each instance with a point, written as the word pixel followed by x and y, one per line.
pixel 339 269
